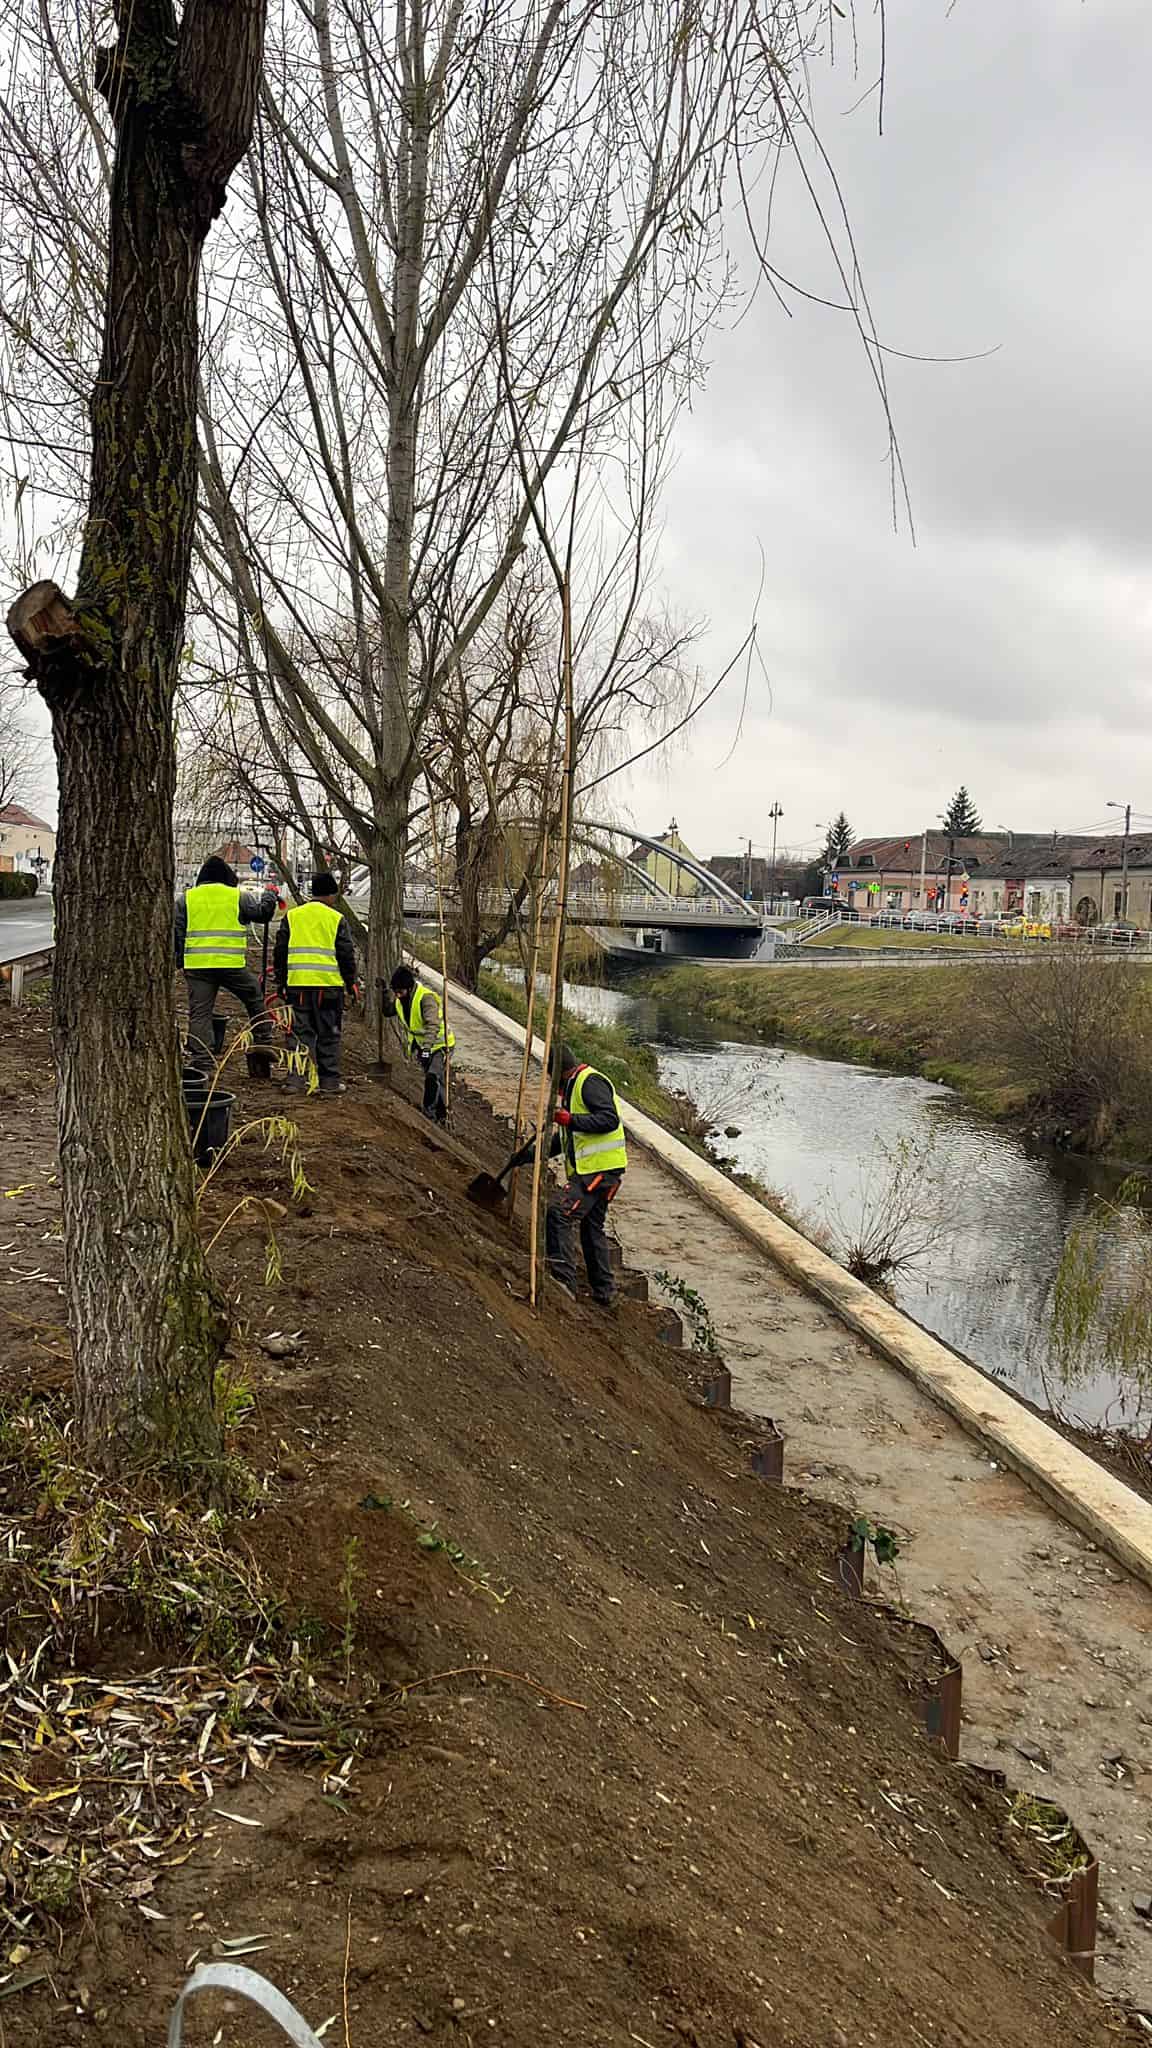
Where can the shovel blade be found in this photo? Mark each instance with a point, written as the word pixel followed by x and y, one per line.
pixel 486 1191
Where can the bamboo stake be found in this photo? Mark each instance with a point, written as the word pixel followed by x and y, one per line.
pixel 443 951
pixel 555 1007
pixel 530 1000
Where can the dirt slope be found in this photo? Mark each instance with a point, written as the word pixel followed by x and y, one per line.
pixel 657 1779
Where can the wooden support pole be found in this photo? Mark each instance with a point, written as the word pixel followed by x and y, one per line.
pixel 555 998
pixel 436 856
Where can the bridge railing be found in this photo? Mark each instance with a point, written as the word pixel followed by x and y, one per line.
pixel 599 909
pixel 607 909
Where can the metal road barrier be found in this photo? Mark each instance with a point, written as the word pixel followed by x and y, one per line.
pixel 22 964
pixel 1013 929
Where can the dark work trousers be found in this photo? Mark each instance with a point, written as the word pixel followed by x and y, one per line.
pixel 317 1022
pixel 203 987
pixel 583 1202
pixel 435 1099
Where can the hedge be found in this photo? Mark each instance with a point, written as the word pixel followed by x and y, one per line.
pixel 16 885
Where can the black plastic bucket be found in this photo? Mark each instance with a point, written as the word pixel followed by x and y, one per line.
pixel 209 1119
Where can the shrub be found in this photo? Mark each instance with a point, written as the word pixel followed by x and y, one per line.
pixel 1071 1023
pixel 900 1213
pixel 12 885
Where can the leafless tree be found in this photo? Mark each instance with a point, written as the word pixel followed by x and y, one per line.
pixel 1070 1025
pixel 490 752
pixel 453 216
pixel 181 94
pixel 20 750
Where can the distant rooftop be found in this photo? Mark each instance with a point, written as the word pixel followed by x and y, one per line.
pixel 15 814
pixel 993 853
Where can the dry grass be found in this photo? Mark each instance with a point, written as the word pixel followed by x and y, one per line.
pixel 105 1780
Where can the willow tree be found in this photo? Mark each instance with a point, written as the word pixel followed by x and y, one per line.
pixel 470 240
pixel 181 93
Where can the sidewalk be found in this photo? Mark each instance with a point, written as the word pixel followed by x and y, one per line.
pixel 1056 1642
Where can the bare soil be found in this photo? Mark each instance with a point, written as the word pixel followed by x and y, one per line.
pixel 640 1772
pixel 1053 1637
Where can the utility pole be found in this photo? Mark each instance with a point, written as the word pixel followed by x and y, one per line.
pixel 775 814
pixel 1127 808
pixel 947 904
pixel 923 866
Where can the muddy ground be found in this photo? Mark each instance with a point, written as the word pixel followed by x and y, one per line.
pixel 1055 1640
pixel 655 1778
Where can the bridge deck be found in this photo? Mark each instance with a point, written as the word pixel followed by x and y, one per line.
pixel 639 911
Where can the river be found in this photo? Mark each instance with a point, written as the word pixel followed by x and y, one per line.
pixel 995 1213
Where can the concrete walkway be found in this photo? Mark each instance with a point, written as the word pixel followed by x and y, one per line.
pixel 1055 1640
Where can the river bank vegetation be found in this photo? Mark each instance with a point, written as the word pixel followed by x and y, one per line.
pixel 1060 1040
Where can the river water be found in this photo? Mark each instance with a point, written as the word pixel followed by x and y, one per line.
pixel 994 1214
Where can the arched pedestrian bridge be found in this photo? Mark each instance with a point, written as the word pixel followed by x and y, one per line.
pixel 628 909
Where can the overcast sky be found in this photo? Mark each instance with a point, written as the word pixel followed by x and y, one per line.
pixel 1005 207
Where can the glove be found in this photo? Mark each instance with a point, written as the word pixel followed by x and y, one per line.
pixel 563 1117
pixel 425 1059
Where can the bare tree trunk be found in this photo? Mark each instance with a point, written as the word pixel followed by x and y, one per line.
pixel 145 1326
pixel 386 872
pixel 467 929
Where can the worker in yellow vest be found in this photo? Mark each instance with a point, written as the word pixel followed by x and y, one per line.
pixel 212 948
pixel 315 967
pixel 589 1137
pixel 421 1012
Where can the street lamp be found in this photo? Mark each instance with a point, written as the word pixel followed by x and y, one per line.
pixel 1127 810
pixel 775 814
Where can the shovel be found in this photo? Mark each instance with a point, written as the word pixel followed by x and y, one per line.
pixel 487 1190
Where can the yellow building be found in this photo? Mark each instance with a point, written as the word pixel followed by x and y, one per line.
pixel 27 843
pixel 667 874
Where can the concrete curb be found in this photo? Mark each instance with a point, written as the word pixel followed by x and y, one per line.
pixel 1103 1508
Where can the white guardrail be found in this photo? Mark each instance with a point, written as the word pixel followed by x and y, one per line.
pixel 1015 929
pixel 24 963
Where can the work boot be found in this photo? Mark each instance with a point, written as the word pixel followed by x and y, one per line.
pixel 333 1087
pixel 562 1286
pixel 607 1302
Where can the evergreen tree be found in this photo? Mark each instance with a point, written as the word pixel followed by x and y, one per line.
pixel 840 838
pixel 962 817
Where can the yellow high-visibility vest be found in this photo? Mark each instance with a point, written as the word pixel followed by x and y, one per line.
pixel 312 929
pixel 591 1152
pixel 215 936
pixel 415 1023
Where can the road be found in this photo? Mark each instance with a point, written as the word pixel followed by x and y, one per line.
pixel 24 926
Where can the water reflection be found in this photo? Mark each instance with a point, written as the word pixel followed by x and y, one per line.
pixel 1001 1211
